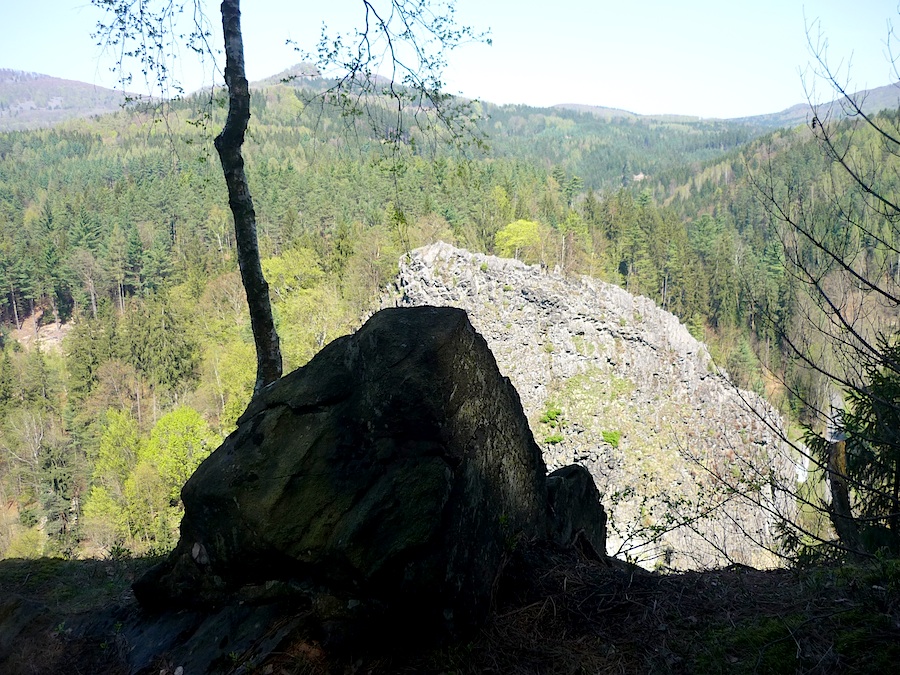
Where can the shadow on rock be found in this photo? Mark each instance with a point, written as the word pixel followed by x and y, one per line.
pixel 379 489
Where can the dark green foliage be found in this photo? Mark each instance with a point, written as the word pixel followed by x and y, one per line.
pixel 89 345
pixel 124 220
pixel 153 338
pixel 35 381
pixel 871 425
pixel 6 383
pixel 607 153
pixel 770 644
pixel 762 645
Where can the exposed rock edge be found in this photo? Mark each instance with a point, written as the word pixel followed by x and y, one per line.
pixel 386 481
pixel 665 434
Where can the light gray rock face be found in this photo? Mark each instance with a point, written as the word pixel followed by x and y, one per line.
pixel 610 381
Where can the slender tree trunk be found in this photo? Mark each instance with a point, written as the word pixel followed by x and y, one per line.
pixel 895 504
pixel 34 322
pixel 93 298
pixel 840 510
pixel 12 294
pixel 219 388
pixel 228 145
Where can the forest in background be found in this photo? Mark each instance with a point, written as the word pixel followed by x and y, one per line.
pixel 118 226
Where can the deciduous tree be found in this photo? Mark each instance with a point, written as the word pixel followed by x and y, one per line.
pixel 405 41
pixel 840 240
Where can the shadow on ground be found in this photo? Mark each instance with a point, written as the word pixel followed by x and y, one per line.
pixel 553 612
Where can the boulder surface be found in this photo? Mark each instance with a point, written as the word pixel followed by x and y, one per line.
pixel 388 478
pixel 668 438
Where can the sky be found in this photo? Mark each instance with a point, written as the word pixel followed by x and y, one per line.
pixel 710 58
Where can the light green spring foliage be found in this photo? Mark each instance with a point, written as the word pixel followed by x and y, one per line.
pixel 612 437
pixel 554 422
pixel 293 270
pixel 308 320
pixel 309 311
pixel 135 500
pixel 31 542
pixel 102 515
pixel 228 357
pixel 231 372
pixel 520 239
pixel 148 518
pixel 118 452
pixel 180 440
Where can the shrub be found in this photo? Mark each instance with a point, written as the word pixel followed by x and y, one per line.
pixel 612 437
pixel 552 416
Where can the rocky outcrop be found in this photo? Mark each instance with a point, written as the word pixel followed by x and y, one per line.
pixel 386 481
pixel 690 467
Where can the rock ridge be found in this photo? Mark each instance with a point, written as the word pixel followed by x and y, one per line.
pixel 614 383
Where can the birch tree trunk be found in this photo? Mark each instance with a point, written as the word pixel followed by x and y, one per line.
pixel 228 144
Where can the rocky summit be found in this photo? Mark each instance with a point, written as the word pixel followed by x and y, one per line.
pixel 691 468
pixel 385 483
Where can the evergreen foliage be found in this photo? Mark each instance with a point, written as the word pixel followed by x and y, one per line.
pixel 117 228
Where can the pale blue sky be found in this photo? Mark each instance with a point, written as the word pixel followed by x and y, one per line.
pixel 714 58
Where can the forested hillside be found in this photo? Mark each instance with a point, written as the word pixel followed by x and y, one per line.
pixel 609 153
pixel 119 227
pixel 844 196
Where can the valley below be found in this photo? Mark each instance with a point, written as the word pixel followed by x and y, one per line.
pixel 685 460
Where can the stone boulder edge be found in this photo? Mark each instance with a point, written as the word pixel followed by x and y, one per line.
pixel 388 479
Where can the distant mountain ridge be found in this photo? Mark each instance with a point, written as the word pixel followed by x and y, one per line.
pixel 598 110
pixel 617 113
pixel 299 72
pixel 32 100
pixel 873 101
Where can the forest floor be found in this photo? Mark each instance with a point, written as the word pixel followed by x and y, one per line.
pixel 49 336
pixel 575 616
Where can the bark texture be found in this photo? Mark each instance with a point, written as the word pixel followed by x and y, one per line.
pixel 840 511
pixel 228 144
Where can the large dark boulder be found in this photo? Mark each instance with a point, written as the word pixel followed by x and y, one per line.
pixel 577 517
pixel 391 475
